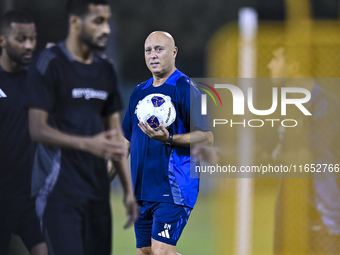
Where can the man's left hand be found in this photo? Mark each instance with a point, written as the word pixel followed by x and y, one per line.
pixel 132 210
pixel 161 135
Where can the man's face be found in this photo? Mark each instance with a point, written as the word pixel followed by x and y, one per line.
pixel 277 65
pixel 95 27
pixel 160 54
pixel 19 42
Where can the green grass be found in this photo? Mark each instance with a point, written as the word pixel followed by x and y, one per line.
pixel 196 237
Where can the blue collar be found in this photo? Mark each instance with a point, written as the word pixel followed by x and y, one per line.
pixel 172 80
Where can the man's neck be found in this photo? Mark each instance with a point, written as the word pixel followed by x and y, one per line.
pixel 78 50
pixel 8 65
pixel 159 80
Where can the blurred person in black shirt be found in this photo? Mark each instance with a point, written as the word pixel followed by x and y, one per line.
pixel 74 105
pixel 17 208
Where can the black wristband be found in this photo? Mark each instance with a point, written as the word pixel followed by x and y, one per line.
pixel 170 139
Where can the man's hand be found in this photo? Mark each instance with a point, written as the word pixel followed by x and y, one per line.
pixel 50 45
pixel 102 145
pixel 161 135
pixel 132 210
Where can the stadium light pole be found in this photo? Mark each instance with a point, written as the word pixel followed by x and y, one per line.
pixel 248 24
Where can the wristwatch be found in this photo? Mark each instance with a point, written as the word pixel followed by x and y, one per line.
pixel 170 139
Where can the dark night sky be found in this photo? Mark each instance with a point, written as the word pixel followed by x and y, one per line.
pixel 191 22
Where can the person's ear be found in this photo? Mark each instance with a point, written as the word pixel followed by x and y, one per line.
pixel 75 23
pixel 2 41
pixel 174 52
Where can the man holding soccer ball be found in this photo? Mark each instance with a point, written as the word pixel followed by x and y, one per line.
pixel 160 158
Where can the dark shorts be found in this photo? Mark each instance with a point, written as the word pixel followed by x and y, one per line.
pixel 18 216
pixel 163 222
pixel 82 228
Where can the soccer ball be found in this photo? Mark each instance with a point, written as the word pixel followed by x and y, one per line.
pixel 156 109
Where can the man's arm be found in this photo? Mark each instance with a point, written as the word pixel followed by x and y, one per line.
pixel 100 145
pixel 185 140
pixel 111 169
pixel 121 166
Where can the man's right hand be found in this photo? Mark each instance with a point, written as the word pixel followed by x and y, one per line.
pixel 106 146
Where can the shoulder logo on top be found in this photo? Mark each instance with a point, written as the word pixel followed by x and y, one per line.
pixel 2 94
pixel 89 93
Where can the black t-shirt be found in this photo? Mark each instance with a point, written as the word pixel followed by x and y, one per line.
pixel 16 148
pixel 77 96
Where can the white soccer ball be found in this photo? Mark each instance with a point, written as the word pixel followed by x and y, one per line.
pixel 156 109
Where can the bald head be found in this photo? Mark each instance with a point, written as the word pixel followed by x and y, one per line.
pixel 162 36
pixel 160 53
